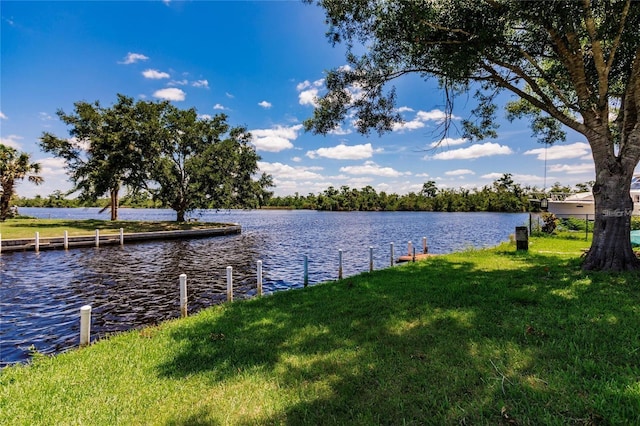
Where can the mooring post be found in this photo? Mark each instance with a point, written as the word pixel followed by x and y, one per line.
pixel 121 236
pixel 37 242
pixel 85 325
pixel 424 245
pixel 409 248
pixel 229 284
pixel 259 277
pixel 370 259
pixel 306 270
pixel 340 264
pixel 183 295
pixel 66 240
pixel 413 259
pixel 392 253
pixel 97 238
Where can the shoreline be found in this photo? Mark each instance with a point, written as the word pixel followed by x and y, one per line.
pixel 53 243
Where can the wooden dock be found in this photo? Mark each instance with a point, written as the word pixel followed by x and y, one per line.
pixel 29 244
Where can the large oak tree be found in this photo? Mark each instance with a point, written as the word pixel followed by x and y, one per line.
pixel 108 149
pixel 570 63
pixel 185 161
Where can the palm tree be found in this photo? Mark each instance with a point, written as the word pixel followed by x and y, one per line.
pixel 14 166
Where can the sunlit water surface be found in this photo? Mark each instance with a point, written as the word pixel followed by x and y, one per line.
pixel 138 284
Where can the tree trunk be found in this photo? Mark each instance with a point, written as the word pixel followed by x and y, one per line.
pixel 5 199
pixel 114 203
pixel 180 216
pixel 611 247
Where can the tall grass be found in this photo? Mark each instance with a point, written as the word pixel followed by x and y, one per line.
pixel 480 337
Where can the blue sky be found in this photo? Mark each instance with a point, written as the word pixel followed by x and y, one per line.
pixel 262 64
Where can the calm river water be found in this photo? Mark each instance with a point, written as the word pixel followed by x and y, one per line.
pixel 138 284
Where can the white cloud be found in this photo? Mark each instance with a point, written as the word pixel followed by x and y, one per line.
pixel 339 131
pixel 2 116
pixel 52 166
pixel 132 58
pixel 344 152
pixel 201 83
pixel 275 139
pixel 296 159
pixel 559 152
pixel 170 94
pixel 405 109
pixel 309 92
pixel 284 171
pixel 474 151
pixel 45 116
pixel 421 118
pixel 519 178
pixel 573 169
pixel 371 168
pixel 205 116
pixel 229 95
pixel 220 107
pixel 448 142
pixel 12 141
pixel 155 74
pixel 265 104
pixel 178 82
pixel 459 172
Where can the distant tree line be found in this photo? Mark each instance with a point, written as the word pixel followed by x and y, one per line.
pixel 503 195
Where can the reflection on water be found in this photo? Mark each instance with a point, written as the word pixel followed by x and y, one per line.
pixel 137 284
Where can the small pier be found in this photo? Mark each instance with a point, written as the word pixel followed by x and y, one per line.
pixel 37 243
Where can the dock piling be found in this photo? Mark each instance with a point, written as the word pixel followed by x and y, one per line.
pixel 370 259
pixel 85 325
pixel 259 277
pixel 229 283
pixel 183 295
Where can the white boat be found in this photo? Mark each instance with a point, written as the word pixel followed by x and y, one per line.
pixel 581 205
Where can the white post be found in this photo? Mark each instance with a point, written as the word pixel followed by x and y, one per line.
pixel 340 264
pixel 229 284
pixel 97 238
pixel 183 295
pixel 392 253
pixel 409 248
pixel 306 270
pixel 259 277
pixel 121 236
pixel 66 240
pixel 37 247
pixel 424 245
pixel 85 325
pixel 370 259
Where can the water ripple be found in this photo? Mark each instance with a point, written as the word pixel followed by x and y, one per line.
pixel 138 284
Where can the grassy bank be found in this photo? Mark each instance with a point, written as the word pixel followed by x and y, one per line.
pixel 27 227
pixel 480 337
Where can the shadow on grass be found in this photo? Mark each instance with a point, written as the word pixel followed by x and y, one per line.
pixel 440 342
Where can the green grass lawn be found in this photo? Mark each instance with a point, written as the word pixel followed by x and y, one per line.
pixel 27 227
pixel 480 337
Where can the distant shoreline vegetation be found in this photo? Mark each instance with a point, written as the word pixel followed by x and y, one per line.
pixel 503 195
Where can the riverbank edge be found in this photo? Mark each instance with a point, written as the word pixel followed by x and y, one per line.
pixel 516 394
pixel 53 243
